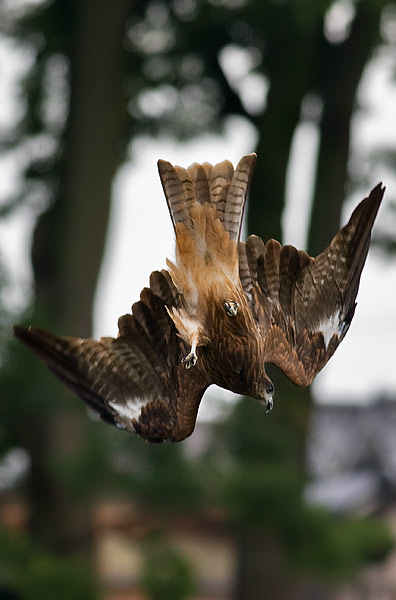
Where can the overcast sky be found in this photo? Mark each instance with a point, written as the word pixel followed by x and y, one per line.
pixel 140 233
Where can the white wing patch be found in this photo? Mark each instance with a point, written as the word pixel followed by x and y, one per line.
pixel 329 327
pixel 130 409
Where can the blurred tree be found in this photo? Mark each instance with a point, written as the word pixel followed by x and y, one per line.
pixel 167 574
pixel 34 574
pixel 284 546
pixel 74 99
pixel 310 75
pixel 337 82
pixel 103 73
pixel 333 74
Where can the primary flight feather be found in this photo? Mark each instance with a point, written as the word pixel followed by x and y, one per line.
pixel 220 312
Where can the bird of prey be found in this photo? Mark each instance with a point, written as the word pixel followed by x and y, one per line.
pixel 218 314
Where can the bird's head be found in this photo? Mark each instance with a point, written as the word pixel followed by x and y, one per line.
pixel 265 393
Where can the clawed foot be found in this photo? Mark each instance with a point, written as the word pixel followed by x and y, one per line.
pixel 190 360
pixel 231 308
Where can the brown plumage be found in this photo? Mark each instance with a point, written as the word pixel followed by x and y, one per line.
pixel 220 312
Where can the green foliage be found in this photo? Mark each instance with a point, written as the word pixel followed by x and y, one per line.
pixel 32 573
pixel 335 547
pixel 166 574
pixel 252 436
pixel 266 496
pixel 262 491
pixel 162 478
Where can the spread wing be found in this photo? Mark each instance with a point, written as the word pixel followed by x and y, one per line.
pixel 303 305
pixel 135 381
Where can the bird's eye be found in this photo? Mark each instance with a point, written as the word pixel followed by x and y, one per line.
pixel 269 388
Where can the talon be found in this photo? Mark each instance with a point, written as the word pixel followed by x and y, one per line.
pixel 231 308
pixel 190 360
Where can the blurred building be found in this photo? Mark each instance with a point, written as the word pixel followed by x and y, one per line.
pixel 351 455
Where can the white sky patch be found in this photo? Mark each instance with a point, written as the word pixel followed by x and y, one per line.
pixel 338 20
pixel 15 243
pixel 18 8
pixel 13 466
pixel 299 184
pixel 238 66
pixel 15 61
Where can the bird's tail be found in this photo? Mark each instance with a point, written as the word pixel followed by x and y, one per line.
pixel 220 187
pixel 206 205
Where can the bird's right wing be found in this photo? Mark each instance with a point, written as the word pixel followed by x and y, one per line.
pixel 303 305
pixel 134 381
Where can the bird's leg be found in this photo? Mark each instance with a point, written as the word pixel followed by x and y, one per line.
pixel 191 359
pixel 231 308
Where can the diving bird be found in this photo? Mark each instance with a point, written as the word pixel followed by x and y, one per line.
pixel 218 314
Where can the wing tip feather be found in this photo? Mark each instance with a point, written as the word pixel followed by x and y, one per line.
pixel 33 337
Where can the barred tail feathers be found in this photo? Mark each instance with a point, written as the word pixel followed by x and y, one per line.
pixel 224 188
pixel 206 205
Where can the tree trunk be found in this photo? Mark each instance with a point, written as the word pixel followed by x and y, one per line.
pixel 290 74
pixel 345 63
pixel 260 572
pixel 68 247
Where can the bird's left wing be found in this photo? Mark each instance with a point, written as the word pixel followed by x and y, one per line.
pixel 303 306
pixel 134 381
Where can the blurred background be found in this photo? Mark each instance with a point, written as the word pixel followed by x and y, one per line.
pixel 299 504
